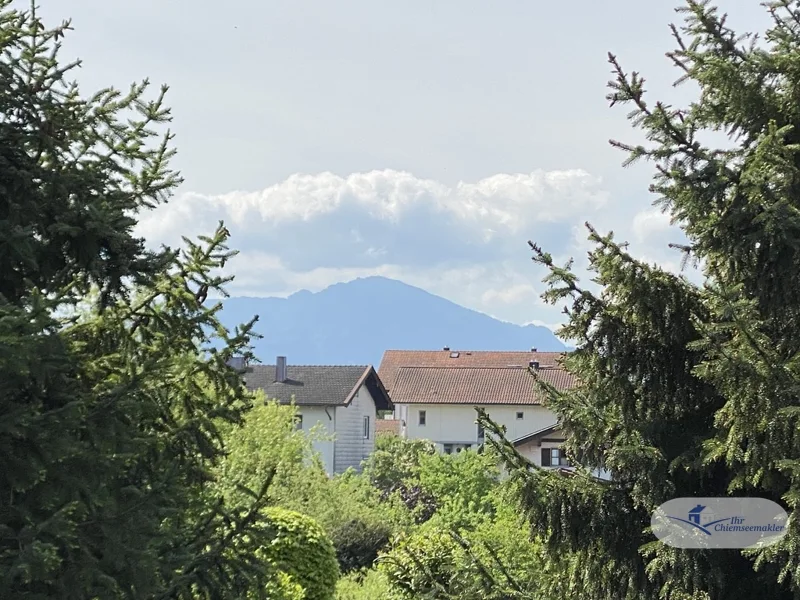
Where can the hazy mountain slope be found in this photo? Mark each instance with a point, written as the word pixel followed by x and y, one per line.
pixel 354 322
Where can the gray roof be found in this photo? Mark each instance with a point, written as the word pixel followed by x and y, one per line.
pixel 317 385
pixel 536 434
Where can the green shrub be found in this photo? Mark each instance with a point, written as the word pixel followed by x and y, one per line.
pixel 364 585
pixel 359 541
pixel 395 460
pixel 301 549
pixel 466 477
pixel 423 564
pixel 282 587
pixel 455 488
pixel 496 560
pixel 349 509
pixel 268 441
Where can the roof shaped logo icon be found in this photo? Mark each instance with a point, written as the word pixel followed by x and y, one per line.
pixel 694 514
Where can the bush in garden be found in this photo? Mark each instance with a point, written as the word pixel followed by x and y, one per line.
pixel 425 564
pixel 348 508
pixel 302 550
pixel 395 460
pixel 358 542
pixel 371 584
pixel 461 485
pixel 420 503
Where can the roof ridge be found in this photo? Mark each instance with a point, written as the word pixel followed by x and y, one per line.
pixel 298 365
pixel 486 351
pixel 504 367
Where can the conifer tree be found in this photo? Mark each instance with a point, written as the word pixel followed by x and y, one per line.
pixel 109 389
pixel 688 390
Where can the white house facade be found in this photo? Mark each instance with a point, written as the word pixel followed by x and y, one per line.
pixel 543 449
pixel 436 393
pixel 452 427
pixel 342 401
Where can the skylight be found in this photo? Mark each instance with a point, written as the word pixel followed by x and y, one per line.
pixel 454 355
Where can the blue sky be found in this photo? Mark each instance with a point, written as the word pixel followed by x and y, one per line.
pixel 424 141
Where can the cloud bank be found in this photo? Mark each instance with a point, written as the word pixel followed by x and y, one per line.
pixel 466 242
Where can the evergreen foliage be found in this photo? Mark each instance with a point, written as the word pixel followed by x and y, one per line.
pixel 110 393
pixel 688 390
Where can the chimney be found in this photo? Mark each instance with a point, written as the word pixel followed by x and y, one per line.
pixel 534 364
pixel 280 369
pixel 446 348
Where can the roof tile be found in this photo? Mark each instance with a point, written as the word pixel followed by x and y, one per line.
pixel 387 426
pixel 394 360
pixel 474 385
pixel 311 385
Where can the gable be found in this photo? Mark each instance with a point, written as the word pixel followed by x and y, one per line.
pixel 551 433
pixel 377 390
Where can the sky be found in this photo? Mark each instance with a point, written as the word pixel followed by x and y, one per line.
pixel 423 141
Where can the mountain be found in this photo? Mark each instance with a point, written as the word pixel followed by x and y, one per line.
pixel 354 322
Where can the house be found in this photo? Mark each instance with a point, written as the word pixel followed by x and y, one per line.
pixel 435 393
pixel 344 400
pixel 543 447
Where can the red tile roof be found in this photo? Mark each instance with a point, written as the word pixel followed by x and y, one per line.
pixel 474 385
pixel 387 426
pixel 394 360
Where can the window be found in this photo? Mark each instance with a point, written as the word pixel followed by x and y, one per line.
pixel 366 428
pixel 554 457
pixel 480 433
pixel 422 418
pixel 298 421
pixel 520 415
pixel 448 448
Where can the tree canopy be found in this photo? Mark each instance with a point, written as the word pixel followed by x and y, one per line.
pixel 689 390
pixel 110 390
pixel 134 463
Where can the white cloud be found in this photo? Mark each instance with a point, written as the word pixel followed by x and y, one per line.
pixel 650 222
pixel 510 295
pixel 466 242
pixel 496 206
pixel 551 326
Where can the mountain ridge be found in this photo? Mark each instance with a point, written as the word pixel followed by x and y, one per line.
pixel 354 322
